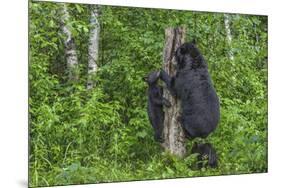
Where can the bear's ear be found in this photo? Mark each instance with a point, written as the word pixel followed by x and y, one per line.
pixel 194 148
pixel 183 49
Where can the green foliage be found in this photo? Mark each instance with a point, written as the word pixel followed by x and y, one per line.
pixel 103 135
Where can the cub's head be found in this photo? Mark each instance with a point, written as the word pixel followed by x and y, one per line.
pixel 206 152
pixel 152 77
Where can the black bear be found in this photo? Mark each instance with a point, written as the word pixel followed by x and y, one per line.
pixel 193 86
pixel 200 104
pixel 205 152
pixel 155 105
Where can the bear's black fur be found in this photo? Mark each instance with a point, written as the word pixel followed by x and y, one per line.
pixel 193 86
pixel 205 152
pixel 155 105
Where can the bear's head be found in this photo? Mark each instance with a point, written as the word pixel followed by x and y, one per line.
pixel 152 77
pixel 189 56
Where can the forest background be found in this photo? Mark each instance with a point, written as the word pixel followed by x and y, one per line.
pixel 89 124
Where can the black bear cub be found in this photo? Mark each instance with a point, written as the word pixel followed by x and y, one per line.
pixel 155 105
pixel 205 152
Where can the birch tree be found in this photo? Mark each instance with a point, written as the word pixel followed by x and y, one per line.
pixel 93 49
pixel 228 35
pixel 174 138
pixel 70 48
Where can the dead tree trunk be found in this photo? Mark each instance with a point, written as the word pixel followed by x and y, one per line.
pixel 93 49
pixel 70 48
pixel 173 133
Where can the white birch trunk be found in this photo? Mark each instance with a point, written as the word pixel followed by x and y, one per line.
pixel 174 138
pixel 70 49
pixel 93 49
pixel 228 35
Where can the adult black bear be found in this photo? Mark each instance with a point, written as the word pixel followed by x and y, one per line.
pixel 155 105
pixel 205 152
pixel 193 86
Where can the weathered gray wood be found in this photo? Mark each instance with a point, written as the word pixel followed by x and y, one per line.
pixel 173 132
pixel 93 49
pixel 70 48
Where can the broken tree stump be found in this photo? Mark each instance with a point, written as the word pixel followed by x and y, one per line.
pixel 174 137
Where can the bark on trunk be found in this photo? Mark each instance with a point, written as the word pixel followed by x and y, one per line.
pixel 173 133
pixel 93 50
pixel 228 35
pixel 70 48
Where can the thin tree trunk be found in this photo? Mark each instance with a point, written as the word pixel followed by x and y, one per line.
pixel 174 138
pixel 70 48
pixel 228 35
pixel 93 49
